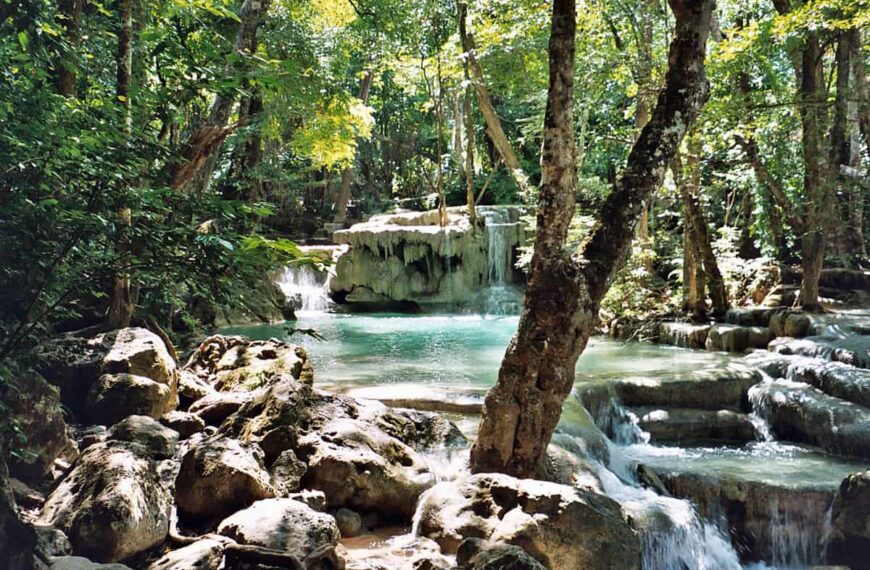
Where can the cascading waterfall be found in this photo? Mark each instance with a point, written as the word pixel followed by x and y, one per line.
pixel 501 298
pixel 306 288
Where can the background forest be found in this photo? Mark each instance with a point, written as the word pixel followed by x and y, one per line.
pixel 156 154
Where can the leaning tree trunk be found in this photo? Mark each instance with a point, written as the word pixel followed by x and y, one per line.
pixel 197 156
pixel 365 86
pixel 484 102
pixel 564 292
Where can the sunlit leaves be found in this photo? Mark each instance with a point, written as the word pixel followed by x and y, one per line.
pixel 328 137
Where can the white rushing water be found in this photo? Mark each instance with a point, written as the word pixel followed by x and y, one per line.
pixel 306 288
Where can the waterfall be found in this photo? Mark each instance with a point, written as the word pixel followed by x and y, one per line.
pixel 306 288
pixel 797 542
pixel 500 237
pixel 673 535
pixel 448 250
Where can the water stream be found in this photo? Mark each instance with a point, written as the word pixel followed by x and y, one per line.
pixel 456 358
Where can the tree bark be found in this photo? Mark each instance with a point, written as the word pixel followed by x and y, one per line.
pixel 341 203
pixel 844 135
pixel 564 290
pixel 697 223
pixel 816 196
pixel 122 305
pixel 694 300
pixel 197 155
pixel 469 156
pixel 484 102
pixel 70 18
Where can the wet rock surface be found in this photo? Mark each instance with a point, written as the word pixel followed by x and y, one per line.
pixel 561 527
pixel 798 412
pixel 686 425
pixel 779 524
pixel 850 524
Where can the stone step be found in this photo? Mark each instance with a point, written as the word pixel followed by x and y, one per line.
pixel 849 349
pixel 801 413
pixel 689 425
pixel 705 390
pixel 833 378
pixel 772 498
pixel 760 515
pixel 737 338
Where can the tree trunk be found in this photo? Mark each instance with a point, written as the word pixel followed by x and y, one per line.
pixel 699 231
pixel 845 133
pixel 197 156
pixel 70 16
pixel 484 102
pixel 469 156
pixel 564 291
pixel 365 86
pixel 816 197
pixel 694 300
pixel 122 305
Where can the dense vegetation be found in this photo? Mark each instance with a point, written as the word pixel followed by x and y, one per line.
pixel 148 149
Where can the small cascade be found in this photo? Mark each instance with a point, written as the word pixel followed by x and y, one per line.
pixel 448 249
pixel 760 409
pixel 797 542
pixel 306 288
pixel 674 535
pixel 500 233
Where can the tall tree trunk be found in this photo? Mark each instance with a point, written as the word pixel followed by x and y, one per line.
pixel 816 197
pixel 469 156
pixel 484 102
pixel 122 305
pixel 564 292
pixel 697 223
pixel 70 18
pixel 694 300
pixel 197 156
pixel 644 82
pixel 365 86
pixel 458 128
pixel 845 134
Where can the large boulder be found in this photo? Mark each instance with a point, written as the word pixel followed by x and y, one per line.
pixel 74 363
pixel 112 505
pixel 689 425
pixel 287 526
pixel 365 469
pixel 361 454
pixel 35 406
pixel 158 440
pixel 850 535
pixel 235 363
pixel 562 527
pixel 835 378
pixel 185 423
pixel 115 396
pixel 219 476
